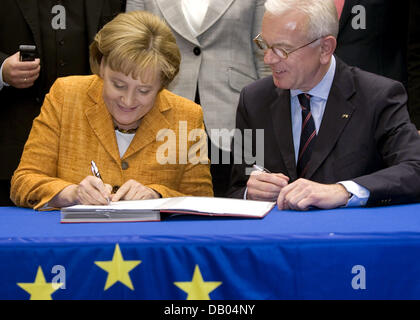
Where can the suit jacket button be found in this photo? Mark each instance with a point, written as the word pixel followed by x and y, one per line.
pixel 124 165
pixel 197 51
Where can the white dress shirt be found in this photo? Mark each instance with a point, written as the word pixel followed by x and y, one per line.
pixel 2 84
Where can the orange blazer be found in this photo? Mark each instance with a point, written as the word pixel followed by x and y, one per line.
pixel 75 127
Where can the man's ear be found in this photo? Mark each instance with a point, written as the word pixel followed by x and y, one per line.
pixel 328 45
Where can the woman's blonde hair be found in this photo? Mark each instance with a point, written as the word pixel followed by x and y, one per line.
pixel 136 43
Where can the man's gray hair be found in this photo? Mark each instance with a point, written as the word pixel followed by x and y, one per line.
pixel 322 15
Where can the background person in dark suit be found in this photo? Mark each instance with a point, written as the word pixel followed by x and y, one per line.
pixel 373 36
pixel 382 37
pixel 334 135
pixel 62 31
pixel 414 63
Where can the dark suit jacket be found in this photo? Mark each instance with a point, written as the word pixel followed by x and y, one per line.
pixel 365 136
pixel 381 48
pixel 19 24
pixel 414 63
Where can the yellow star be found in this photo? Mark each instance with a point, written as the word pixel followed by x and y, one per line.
pixel 198 289
pixel 118 269
pixel 40 290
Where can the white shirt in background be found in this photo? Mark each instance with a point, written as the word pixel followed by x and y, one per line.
pixel 194 12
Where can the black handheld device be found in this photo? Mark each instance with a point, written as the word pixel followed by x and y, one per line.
pixel 27 52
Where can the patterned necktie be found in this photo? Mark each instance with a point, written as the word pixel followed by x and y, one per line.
pixel 307 135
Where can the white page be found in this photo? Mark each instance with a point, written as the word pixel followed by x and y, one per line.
pixel 219 205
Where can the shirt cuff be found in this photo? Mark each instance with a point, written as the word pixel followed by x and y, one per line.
pixel 1 78
pixel 360 195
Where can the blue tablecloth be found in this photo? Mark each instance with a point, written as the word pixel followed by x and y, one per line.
pixel 361 253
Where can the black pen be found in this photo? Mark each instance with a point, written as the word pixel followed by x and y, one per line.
pixel 95 170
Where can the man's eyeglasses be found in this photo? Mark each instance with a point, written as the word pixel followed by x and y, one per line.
pixel 281 52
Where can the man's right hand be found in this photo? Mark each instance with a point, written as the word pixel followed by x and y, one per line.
pixel 20 74
pixel 265 186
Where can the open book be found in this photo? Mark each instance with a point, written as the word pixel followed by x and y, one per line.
pixel 150 210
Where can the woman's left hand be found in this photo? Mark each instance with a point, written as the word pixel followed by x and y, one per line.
pixel 133 190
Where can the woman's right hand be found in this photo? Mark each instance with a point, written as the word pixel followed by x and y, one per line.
pixel 91 190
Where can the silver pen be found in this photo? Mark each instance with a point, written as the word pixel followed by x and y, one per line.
pixel 95 170
pixel 261 169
